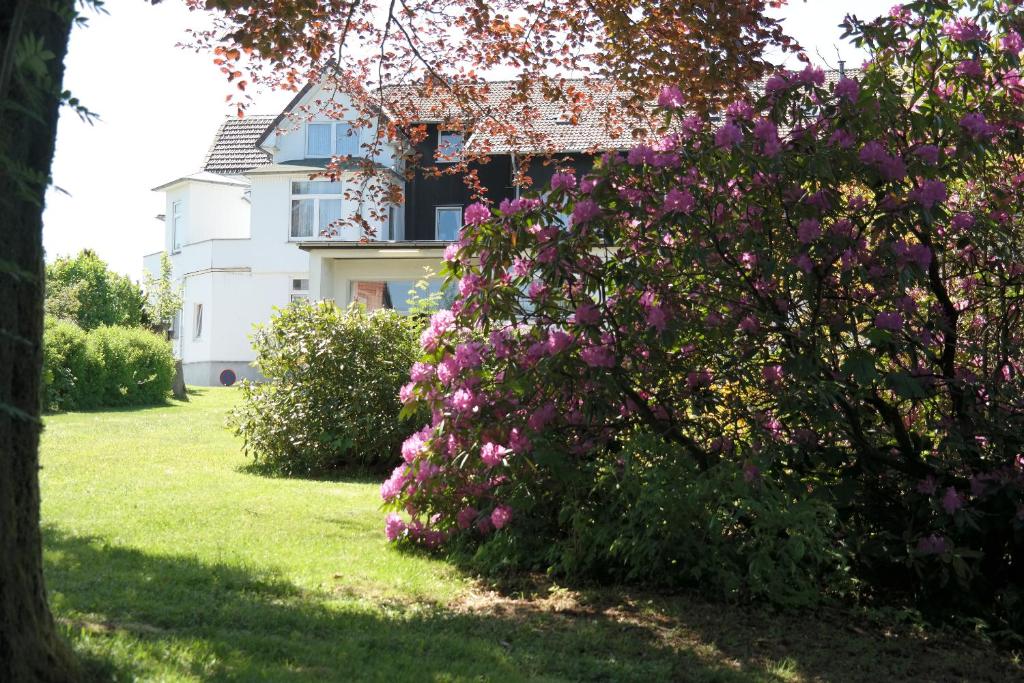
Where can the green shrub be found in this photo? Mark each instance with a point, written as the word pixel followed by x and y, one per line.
pixel 645 514
pixel 105 367
pixel 331 396
pixel 64 364
pixel 125 367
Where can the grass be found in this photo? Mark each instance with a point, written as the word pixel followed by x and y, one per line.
pixel 168 561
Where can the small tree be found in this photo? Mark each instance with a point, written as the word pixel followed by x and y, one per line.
pixel 163 297
pixel 83 289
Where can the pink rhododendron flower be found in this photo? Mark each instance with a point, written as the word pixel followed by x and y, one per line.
pixel 670 97
pixel 729 135
pixel 847 89
pixel 951 501
pixel 518 442
pixel 680 201
pixel 587 314
pixel 447 370
pixel 451 252
pixel 970 68
pixel 598 356
pixel 394 484
pixel 463 400
pixel 466 516
pixel 656 318
pixel 932 545
pixel 750 324
pixel 585 210
pixel 1012 43
pixel 416 445
pixel 563 181
pixel 842 138
pixel 767 135
pixel 492 454
pixel 441 322
pixel 698 379
pixel 542 416
pixel 975 125
pixel 889 320
pixel 930 193
pixel 501 516
pixel 772 373
pixel 407 393
pixel 929 154
pixel 808 230
pixel 476 213
pixel 891 167
pixel 558 341
pixel 468 356
pixel 964 29
pixel 394 527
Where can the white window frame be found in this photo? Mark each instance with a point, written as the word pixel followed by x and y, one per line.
pixel 450 158
pixel 177 223
pixel 294 196
pixel 197 321
pixel 335 150
pixel 437 219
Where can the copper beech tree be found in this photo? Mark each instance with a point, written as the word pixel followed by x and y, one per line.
pixel 402 62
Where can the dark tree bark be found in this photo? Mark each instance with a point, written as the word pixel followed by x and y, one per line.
pixel 30 84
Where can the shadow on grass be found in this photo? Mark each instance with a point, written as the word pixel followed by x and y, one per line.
pixel 136 615
pixel 353 475
pixel 826 643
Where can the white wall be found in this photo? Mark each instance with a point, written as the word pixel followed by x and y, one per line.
pixel 211 211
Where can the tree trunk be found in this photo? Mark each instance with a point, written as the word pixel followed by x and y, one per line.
pixel 178 389
pixel 30 648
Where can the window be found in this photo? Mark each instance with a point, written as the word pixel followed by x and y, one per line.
pixel 197 322
pixel 177 225
pixel 329 139
pixel 346 140
pixel 316 208
pixel 318 140
pixel 449 146
pixel 300 289
pixel 175 331
pixel 393 294
pixel 448 221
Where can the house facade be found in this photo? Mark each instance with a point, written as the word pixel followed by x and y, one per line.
pixel 254 229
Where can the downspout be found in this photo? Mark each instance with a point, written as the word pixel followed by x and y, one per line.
pixel 515 165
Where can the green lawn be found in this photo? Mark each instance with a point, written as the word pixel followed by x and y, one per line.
pixel 167 561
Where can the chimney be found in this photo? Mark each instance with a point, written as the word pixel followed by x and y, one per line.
pixel 842 69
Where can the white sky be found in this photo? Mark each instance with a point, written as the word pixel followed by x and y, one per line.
pixel 160 106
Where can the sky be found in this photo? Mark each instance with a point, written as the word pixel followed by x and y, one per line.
pixel 160 105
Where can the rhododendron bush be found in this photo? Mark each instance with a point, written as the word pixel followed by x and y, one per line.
pixel 821 293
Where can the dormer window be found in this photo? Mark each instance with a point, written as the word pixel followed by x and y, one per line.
pixel 331 139
pixel 318 140
pixel 450 144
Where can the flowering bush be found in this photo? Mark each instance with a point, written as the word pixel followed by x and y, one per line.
pixel 824 292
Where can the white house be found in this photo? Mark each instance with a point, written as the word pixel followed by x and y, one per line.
pixel 252 231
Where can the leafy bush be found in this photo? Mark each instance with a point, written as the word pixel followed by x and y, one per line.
pixel 83 289
pixel 105 367
pixel 64 364
pixel 331 396
pixel 827 286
